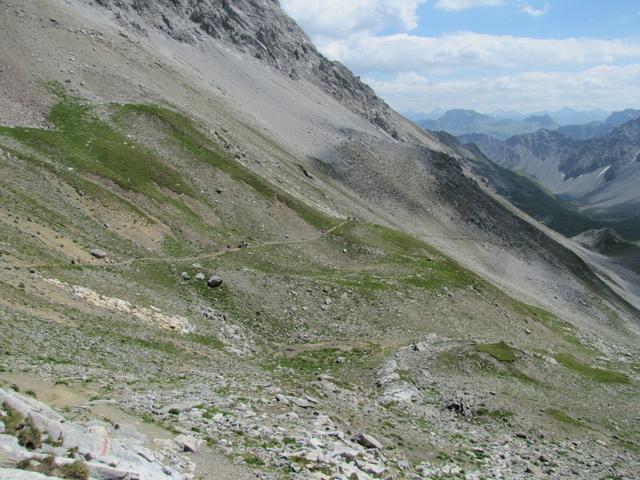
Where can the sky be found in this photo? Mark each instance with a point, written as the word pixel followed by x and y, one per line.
pixel 486 55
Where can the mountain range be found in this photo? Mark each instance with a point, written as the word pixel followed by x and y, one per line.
pixel 225 257
pixel 599 174
pixel 502 125
pixel 460 122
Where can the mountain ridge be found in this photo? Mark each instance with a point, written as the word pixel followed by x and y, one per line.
pixel 459 122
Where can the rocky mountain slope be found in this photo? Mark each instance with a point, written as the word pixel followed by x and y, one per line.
pixel 599 174
pixel 261 29
pixel 236 244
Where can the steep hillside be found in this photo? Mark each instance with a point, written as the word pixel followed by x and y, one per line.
pixel 524 192
pixel 229 242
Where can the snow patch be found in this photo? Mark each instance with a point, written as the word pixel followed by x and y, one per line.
pixel 605 170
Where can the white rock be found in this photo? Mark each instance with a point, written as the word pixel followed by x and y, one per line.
pixel 343 451
pixel 97 253
pixel 10 474
pixel 189 443
pixel 10 451
pixel 218 418
pixel 352 472
pixel 300 402
pixel 372 468
pixel 315 443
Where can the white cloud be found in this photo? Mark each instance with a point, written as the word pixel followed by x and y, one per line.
pixel 468 69
pixel 607 87
pixel 339 18
pixel 535 12
pixel 456 5
pixel 472 52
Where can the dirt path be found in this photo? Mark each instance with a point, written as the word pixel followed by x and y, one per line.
pixel 203 256
pixel 342 346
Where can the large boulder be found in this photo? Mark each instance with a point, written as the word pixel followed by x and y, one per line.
pixel 97 253
pixel 188 443
pixel 367 441
pixel 214 281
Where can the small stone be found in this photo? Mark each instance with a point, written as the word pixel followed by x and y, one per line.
pixel 200 276
pixel 300 402
pixel 97 253
pixel 341 360
pixel 214 281
pixel 185 276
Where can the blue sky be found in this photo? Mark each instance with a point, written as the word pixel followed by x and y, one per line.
pixel 526 55
pixel 563 18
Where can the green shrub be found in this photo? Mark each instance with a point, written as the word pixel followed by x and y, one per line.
pixel 77 470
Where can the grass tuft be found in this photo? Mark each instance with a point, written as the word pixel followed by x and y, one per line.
pixel 563 417
pixel 77 470
pixel 596 374
pixel 500 351
pixel 21 427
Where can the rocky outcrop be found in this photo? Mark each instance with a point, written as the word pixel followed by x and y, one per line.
pixel 601 240
pixel 261 29
pixel 97 447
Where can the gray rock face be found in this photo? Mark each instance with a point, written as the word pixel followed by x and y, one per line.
pixel 261 29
